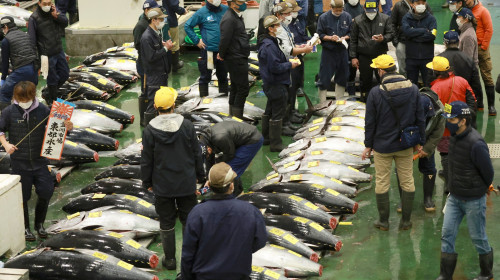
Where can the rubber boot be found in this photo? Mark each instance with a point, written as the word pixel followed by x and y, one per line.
pixel 300 92
pixel 176 62
pixel 168 242
pixel 148 117
pixel 339 92
pixel 238 112
pixel 383 211
pixel 351 88
pixel 322 95
pixel 407 207
pixel 203 88
pixel 490 95
pixel 448 263
pixel 428 183
pixel 28 235
pixel 275 142
pixel 42 205
pixel 295 117
pixel 51 95
pixel 288 128
pixel 265 129
pixel 143 104
pixel 486 265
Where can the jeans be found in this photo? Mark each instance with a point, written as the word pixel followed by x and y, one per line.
pixel 25 73
pixel 168 208
pixel 58 70
pixel 427 166
pixel 238 72
pixel 475 211
pixel 243 156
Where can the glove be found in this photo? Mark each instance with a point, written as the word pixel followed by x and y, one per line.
pixel 2 82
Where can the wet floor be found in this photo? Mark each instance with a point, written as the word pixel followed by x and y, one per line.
pixel 367 252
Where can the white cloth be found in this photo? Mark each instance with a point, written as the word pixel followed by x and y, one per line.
pixel 45 66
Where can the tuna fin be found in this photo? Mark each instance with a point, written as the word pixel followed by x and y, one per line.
pixel 92 227
pixel 272 165
pixel 310 109
pixel 328 119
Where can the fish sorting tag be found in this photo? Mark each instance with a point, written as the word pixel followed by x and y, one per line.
pixel 115 235
pixel 317 153
pixel 290 238
pixel 100 255
pixel 254 66
pixel 237 119
pixel 133 243
pixel 313 163
pixel 336 181
pixel 289 164
pixel 319 120
pixel 345 223
pixel 257 269
pixel 319 175
pixel 277 247
pixel 272 274
pixel 90 130
pixel 294 253
pixel 337 119
pixel 353 169
pixel 318 186
pixel 311 205
pixel 98 195
pixel 125 265
pixel 67 249
pixel 333 192
pixel 100 115
pixel 314 128
pixel 316 226
pixel 296 177
pixel 354 113
pixel 295 153
pixel 144 217
pixel 145 203
pixel 340 102
pixel 126 212
pixel 102 81
pixel 359 127
pixel 184 88
pixel 138 140
pixel 110 107
pixel 335 128
pixel 301 220
pixel 223 114
pixel 334 162
pixel 71 143
pixel 95 214
pixel 29 252
pixel 296 198
pixel 272 176
pixel 207 100
pixel 129 197
pixel 319 140
pixel 73 215
pixel 277 231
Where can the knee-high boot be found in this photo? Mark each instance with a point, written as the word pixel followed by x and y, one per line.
pixel 428 185
pixel 168 242
pixel 383 210
pixel 28 235
pixel 406 207
pixel 42 205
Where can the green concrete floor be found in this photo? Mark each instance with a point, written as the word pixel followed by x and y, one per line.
pixel 367 252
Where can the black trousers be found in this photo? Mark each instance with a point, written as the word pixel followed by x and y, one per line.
pixel 152 84
pixel 238 73
pixel 41 178
pixel 366 73
pixel 169 207
pixel 414 67
pixel 277 96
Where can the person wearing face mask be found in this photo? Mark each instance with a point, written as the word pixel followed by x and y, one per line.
pixel 370 34
pixel 419 28
pixel 334 28
pixel 354 8
pixel 18 119
pixel 173 9
pixel 275 72
pixel 450 88
pixel 234 49
pixel 17 50
pixel 468 39
pixel 484 33
pixel 44 29
pixel 455 7
pixel 154 60
pixel 208 19
pixel 471 173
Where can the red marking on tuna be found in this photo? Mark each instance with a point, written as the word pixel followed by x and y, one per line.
pixel 155 278
pixel 355 208
pixel 320 270
pixel 96 157
pixel 338 246
pixel 132 119
pixel 117 144
pixel 153 261
pixel 121 128
pixel 333 223
pixel 58 177
pixel 314 257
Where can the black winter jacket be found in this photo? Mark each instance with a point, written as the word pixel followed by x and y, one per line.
pixel 362 31
pixel 139 29
pixel 234 42
pixel 399 10
pixel 171 156
pixel 153 54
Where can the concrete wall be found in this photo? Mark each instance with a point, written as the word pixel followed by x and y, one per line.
pixel 109 13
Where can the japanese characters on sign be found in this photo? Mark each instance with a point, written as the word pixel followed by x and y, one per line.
pixel 55 132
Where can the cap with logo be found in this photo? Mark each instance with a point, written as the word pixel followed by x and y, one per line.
pixel 156 13
pixel 149 4
pixel 466 13
pixel 383 61
pixel 456 109
pixel 451 37
pixel 165 98
pixel 295 5
pixel 270 21
pixel 283 8
pixel 371 6
pixel 221 175
pixel 439 63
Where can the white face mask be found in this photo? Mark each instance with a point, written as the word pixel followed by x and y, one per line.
pixel 216 3
pixel 287 20
pixel 279 30
pixel 453 8
pixel 459 23
pixel 160 25
pixel 46 8
pixel 336 15
pixel 420 9
pixel 371 16
pixel 353 2
pixel 295 14
pixel 25 105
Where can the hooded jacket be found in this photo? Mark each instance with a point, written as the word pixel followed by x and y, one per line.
pixel 420 32
pixel 171 156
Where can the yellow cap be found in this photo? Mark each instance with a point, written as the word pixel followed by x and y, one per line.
pixel 439 63
pixel 383 61
pixel 165 97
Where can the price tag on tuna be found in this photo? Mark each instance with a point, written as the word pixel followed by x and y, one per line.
pixel 144 217
pixel 29 252
pixel 126 212
pixel 129 197
pixel 55 131
pixel 145 203
pixel 353 169
pixel 334 162
pixel 295 153
pixel 254 66
pixel 138 140
pixel 115 235
pixel 184 88
pixel 277 247
pixel 313 163
pixel 257 269
pixel 277 231
pixel 71 143
pixel 134 244
pixel 110 107
pixel 100 255
pixel 90 130
pixel 99 195
pixel 294 253
pixel 223 114
pixel 317 153
pixel 125 265
pixel 336 120
pixel 319 140
pixel 316 226
pixel 296 177
pixel 319 175
pixel 340 102
pixel 100 115
pixel 319 120
pixel 311 205
pixel 314 128
pixel 301 220
pixel 318 186
pixel 354 113
pixel 102 81
pixel 207 100
pixel 336 181
pixel 237 119
pixel 272 176
pixel 289 164
pixel 359 127
pixel 95 214
pixel 333 192
pixel 249 103
pixel 73 215
pixel 335 128
pixel 272 274
pixel 290 238
pixel 296 198
pixel 345 223
pixel 67 249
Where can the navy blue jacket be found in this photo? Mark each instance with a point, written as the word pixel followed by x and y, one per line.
pixel 354 11
pixel 420 35
pixel 299 32
pixel 153 54
pixel 173 9
pixel 274 67
pixel 208 19
pixel 381 131
pixel 220 236
pixel 329 25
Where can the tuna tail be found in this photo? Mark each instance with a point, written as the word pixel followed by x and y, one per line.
pixel 272 165
pixel 310 109
pixel 328 119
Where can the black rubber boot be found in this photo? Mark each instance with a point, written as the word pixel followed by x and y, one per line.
pixel 143 104
pixel 176 62
pixel 383 211
pixel 428 183
pixel 265 129
pixel 486 265
pixel 448 263
pixel 300 92
pixel 238 112
pixel 490 95
pixel 296 119
pixel 203 90
pixel 51 95
pixel 42 205
pixel 406 207
pixel 276 144
pixel 148 117
pixel 168 242
pixel 28 235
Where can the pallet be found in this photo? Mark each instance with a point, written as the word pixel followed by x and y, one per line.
pixel 14 274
